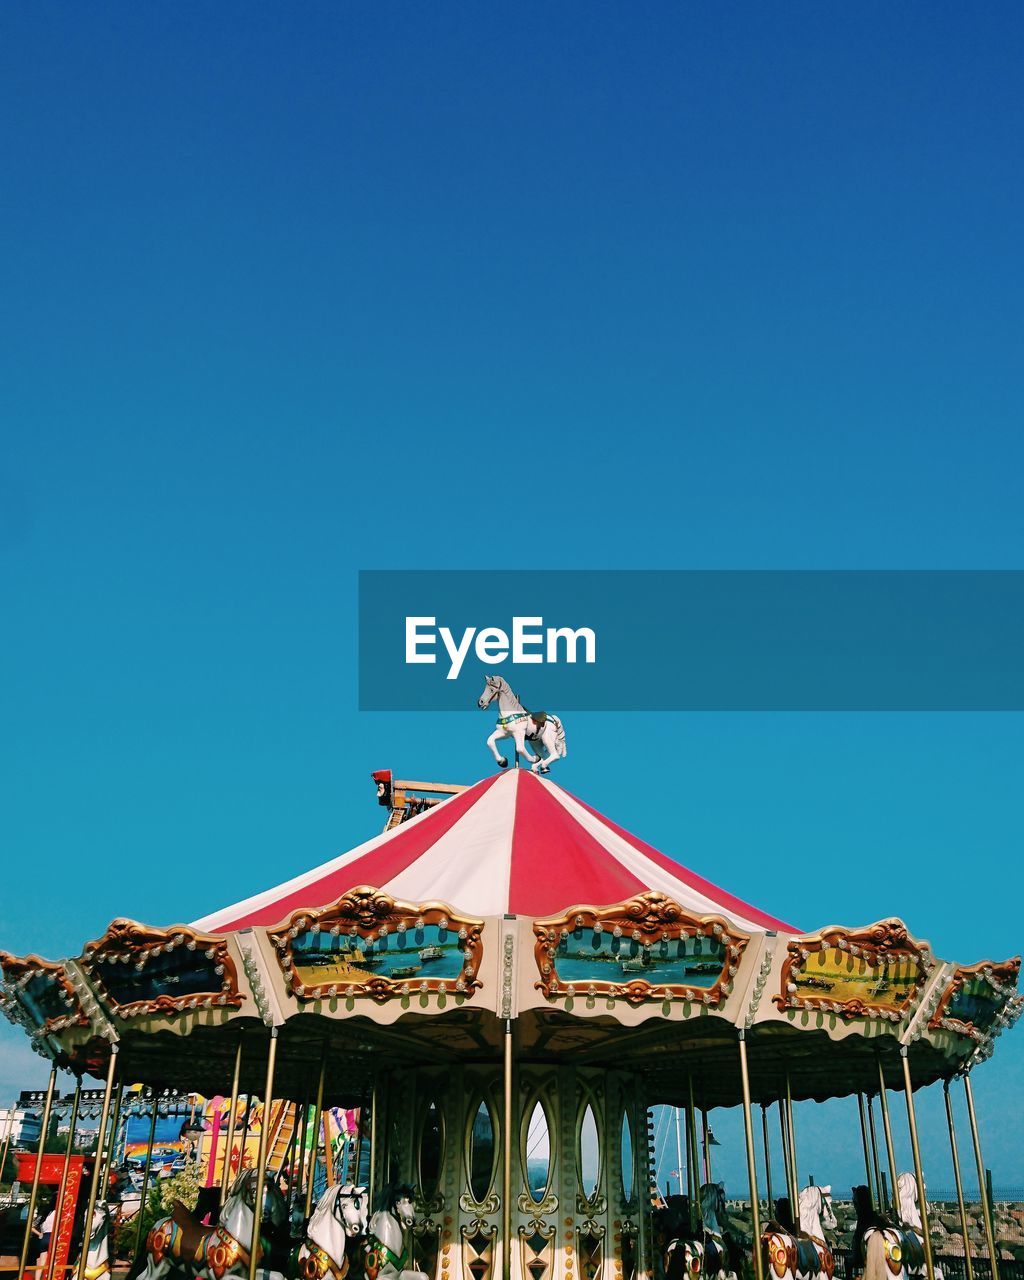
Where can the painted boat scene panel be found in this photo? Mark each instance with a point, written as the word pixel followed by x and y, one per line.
pixel 975 1003
pixel 832 974
pixel 587 955
pixel 430 952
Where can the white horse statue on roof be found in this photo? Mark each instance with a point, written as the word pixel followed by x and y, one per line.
pixel 514 721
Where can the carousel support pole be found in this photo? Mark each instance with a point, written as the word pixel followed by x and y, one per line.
pixel 147 1171
pixel 787 1167
pixel 792 1152
pixel 867 1150
pixel 959 1184
pixel 890 1150
pixel 229 1145
pixel 506 1167
pixel 767 1158
pixel 922 1202
pixel 707 1145
pixel 691 1131
pixel 34 1193
pixel 374 1101
pixel 261 1162
pixel 58 1203
pixel 318 1111
pixel 111 1149
pixel 303 1144
pixel 748 1133
pixel 986 1208
pixel 874 1155
pixel 96 1170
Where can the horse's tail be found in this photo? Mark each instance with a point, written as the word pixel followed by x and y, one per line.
pixel 559 735
pixel 875 1267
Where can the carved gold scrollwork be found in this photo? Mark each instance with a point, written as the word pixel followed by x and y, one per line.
pixel 527 1204
pixel 490 1204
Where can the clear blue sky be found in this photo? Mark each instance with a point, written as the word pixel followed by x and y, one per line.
pixel 288 292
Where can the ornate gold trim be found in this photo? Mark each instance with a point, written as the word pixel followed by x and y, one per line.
pixel 18 970
pixel 648 918
pixel 877 943
pixel 126 939
pixel 998 975
pixel 368 913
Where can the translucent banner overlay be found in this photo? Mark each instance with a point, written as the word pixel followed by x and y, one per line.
pixel 652 640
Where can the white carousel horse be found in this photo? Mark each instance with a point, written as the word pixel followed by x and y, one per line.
pixel 514 721
pixel 97 1258
pixel 804 1255
pixel 385 1240
pixel 717 1260
pixel 181 1243
pixel 912 1227
pixel 338 1219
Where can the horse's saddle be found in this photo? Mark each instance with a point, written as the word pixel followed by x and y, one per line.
pixel 540 719
pixel 193 1231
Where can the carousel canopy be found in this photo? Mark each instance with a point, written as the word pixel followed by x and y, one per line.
pixel 511 844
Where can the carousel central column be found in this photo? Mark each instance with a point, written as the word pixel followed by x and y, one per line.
pixel 506 1168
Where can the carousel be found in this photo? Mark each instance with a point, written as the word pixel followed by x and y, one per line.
pixel 505 982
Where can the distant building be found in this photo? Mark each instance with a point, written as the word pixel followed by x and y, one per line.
pixel 25 1126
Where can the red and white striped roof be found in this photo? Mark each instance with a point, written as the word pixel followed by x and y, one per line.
pixel 512 844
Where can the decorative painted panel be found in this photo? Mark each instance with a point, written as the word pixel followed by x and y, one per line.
pixel 645 949
pixel 865 973
pixel 368 944
pixel 139 970
pixel 975 997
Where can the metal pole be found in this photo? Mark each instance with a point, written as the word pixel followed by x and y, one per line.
pixel 956 1178
pixel 874 1154
pixel 7 1136
pixel 792 1146
pixel 887 1127
pixel 707 1145
pixel 748 1133
pixel 787 1168
pixel 691 1133
pixel 318 1111
pixel 110 1150
pixel 867 1151
pixel 96 1169
pixel 373 1143
pixel 225 1173
pixel 922 1202
pixel 147 1171
pixel 679 1158
pixel 767 1159
pixel 506 1169
pixel 982 1188
pixel 261 1165
pixel 58 1204
pixel 691 1172
pixel 34 1194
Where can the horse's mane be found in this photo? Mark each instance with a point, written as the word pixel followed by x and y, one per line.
pixel 392 1191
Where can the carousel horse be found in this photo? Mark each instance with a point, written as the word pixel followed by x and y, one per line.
pixel 182 1243
pixel 385 1242
pixel 721 1256
pixel 801 1253
pixel 911 1227
pixel 514 721
pixel 684 1251
pixel 877 1242
pixel 97 1258
pixel 339 1218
